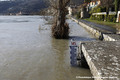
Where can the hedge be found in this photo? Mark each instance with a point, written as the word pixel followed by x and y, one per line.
pixel 110 18
pixel 97 9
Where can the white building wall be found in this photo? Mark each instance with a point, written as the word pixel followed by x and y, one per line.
pixel 70 10
pixel 118 15
pixel 104 13
pixel 82 14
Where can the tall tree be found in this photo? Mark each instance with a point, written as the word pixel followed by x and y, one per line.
pixel 107 4
pixel 117 3
pixel 60 29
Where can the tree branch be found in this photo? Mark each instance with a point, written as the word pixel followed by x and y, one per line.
pixel 66 2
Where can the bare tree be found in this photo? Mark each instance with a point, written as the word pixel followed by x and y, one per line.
pixel 60 29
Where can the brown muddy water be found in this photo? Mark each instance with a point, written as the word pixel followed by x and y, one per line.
pixel 28 52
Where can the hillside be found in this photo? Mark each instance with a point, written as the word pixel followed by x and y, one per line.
pixel 26 6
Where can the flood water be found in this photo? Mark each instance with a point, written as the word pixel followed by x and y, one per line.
pixel 28 52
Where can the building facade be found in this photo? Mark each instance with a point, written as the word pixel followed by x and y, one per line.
pixel 118 17
pixel 70 11
pixel 93 4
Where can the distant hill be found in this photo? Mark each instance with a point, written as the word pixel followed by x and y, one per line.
pixel 27 6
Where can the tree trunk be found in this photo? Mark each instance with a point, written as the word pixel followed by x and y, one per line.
pixel 107 13
pixel 117 2
pixel 61 29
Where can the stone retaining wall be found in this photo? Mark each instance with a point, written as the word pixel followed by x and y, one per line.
pixel 98 34
pixel 95 32
pixel 92 67
pixel 103 59
pixel 98 54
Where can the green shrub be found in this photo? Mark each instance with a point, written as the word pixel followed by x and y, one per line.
pixel 94 17
pixel 110 18
pixel 114 19
pixel 105 18
pixel 91 17
pixel 97 9
pixel 100 18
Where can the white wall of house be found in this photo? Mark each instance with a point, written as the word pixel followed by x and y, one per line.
pixel 93 4
pixel 104 13
pixel 70 10
pixel 82 14
pixel 111 13
pixel 118 15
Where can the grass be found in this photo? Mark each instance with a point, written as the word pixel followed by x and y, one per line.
pixel 115 25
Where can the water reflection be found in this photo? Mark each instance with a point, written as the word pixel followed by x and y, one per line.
pixel 63 70
pixel 60 48
pixel 30 54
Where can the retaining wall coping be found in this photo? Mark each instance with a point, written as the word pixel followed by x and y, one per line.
pixel 103 58
pixel 116 37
